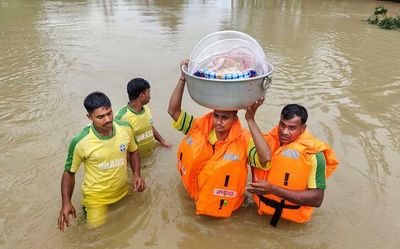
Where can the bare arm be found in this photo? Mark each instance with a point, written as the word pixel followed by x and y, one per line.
pixel 67 188
pixel 134 161
pixel 175 102
pixel 309 197
pixel 159 138
pixel 262 147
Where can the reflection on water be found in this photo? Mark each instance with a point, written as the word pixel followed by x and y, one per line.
pixel 343 70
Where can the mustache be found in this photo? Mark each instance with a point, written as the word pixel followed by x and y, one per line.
pixel 283 136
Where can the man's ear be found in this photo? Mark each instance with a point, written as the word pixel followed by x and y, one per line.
pixel 304 127
pixel 89 117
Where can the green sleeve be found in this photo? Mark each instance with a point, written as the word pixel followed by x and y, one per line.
pixel 74 159
pixel 184 122
pixel 321 171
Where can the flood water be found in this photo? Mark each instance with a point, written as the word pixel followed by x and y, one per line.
pixel 345 71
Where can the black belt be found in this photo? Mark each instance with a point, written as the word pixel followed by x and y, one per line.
pixel 279 206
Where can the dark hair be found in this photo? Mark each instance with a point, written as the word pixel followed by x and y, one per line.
pixel 136 86
pixel 235 112
pixel 96 100
pixel 292 110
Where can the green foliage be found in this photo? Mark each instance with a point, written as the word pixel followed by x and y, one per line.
pixel 373 20
pixel 381 10
pixel 386 22
pixel 397 20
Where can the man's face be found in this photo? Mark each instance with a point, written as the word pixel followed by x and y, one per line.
pixel 289 130
pixel 223 120
pixel 145 96
pixel 102 118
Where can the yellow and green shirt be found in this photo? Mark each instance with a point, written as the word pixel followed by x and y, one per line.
pixel 105 162
pixel 142 125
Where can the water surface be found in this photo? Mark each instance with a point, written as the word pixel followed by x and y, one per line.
pixel 345 71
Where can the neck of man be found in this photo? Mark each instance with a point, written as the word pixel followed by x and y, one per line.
pixel 136 105
pixel 104 132
pixel 221 136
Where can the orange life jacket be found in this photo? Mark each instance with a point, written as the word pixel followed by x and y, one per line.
pixel 290 169
pixel 214 175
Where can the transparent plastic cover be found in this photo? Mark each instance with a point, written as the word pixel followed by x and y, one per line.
pixel 228 53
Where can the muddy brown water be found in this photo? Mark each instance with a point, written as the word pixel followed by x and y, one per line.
pixel 345 71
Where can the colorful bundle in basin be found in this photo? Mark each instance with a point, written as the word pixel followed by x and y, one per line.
pixel 235 64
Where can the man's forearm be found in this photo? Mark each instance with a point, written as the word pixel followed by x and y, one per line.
pixel 310 197
pixel 134 161
pixel 67 186
pixel 262 147
pixel 157 135
pixel 175 102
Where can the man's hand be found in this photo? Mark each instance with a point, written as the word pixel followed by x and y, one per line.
pixel 138 184
pixel 160 139
pixel 66 210
pixel 165 144
pixel 260 188
pixel 251 110
pixel 184 63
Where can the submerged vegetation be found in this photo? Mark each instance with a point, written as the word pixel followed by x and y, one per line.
pixel 384 21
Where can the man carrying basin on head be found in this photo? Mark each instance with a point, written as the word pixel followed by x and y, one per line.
pixel 292 183
pixel 213 156
pixel 103 148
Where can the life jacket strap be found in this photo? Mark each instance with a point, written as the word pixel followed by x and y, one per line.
pixel 278 206
pixel 180 161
